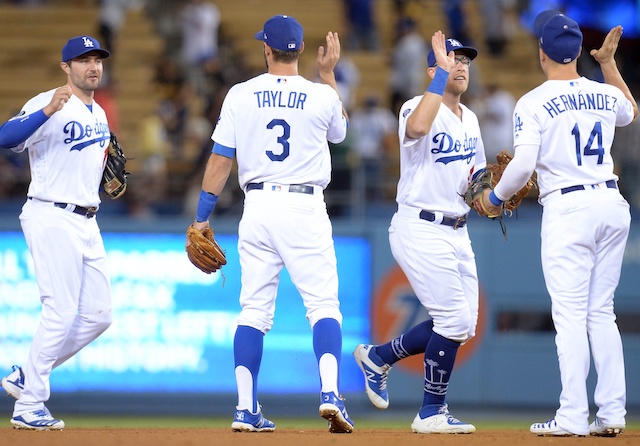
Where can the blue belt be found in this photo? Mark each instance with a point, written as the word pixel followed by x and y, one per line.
pixel 455 223
pixel 611 184
pixel 86 212
pixel 299 188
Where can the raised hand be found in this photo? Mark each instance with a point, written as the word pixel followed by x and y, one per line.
pixel 60 97
pixel 608 49
pixel 329 55
pixel 443 60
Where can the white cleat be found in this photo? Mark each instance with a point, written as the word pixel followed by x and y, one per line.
pixel 37 420
pixel 441 423
pixel 600 429
pixel 13 384
pixel 375 376
pixel 551 429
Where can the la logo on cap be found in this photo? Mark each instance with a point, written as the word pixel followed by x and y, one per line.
pixel 87 42
pixel 454 42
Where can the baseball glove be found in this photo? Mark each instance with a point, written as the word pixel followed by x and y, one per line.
pixel 473 195
pixel 114 176
pixel 203 251
pixel 488 180
pixel 504 158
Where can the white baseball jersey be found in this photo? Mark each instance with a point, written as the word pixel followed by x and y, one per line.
pixel 279 126
pixel 435 170
pixel 573 122
pixel 67 153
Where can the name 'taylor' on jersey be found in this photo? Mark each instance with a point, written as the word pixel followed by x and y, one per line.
pixel 268 98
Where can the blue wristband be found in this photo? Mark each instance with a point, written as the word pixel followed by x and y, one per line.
pixel 494 200
pixel 439 82
pixel 206 204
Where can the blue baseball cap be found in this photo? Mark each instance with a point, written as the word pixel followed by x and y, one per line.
pixel 79 45
pixel 282 32
pixel 559 36
pixel 453 45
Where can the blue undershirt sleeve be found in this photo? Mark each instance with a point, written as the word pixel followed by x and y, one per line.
pixel 16 131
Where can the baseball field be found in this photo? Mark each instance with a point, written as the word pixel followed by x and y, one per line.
pixel 161 431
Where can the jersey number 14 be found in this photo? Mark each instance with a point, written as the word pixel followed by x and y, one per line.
pixel 589 149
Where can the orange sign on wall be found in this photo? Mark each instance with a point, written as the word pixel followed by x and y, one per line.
pixel 395 309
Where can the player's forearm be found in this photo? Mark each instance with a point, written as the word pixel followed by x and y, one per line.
pixel 216 173
pixel 613 77
pixel 517 173
pixel 421 120
pixel 329 78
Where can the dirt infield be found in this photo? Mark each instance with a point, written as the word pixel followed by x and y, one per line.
pixel 289 437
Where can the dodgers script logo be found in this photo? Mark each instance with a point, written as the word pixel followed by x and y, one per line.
pixel 454 150
pixel 84 136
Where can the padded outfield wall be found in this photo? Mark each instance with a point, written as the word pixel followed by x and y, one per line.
pixel 173 326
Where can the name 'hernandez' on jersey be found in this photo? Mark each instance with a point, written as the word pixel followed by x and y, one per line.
pixel 266 119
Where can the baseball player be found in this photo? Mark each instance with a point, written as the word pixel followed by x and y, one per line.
pixel 66 134
pixel 564 130
pixel 440 152
pixel 277 126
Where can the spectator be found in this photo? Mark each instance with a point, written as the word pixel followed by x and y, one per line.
pixel 408 63
pixel 174 112
pixel 150 183
pixel 106 95
pixel 200 21
pixel 495 23
pixel 362 30
pixel 374 132
pixel 8 177
pixel 347 78
pixel 454 11
pixel 168 77
pixel 494 109
pixel 111 17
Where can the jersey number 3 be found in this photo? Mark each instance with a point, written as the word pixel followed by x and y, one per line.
pixel 589 149
pixel 283 140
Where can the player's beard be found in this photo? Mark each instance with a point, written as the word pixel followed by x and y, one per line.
pixel 86 83
pixel 456 88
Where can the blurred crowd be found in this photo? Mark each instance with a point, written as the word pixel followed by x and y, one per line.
pixel 199 63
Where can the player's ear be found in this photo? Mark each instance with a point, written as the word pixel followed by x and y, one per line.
pixel 65 67
pixel 302 47
pixel 431 72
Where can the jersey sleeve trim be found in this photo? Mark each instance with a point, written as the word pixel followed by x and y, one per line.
pixel 225 151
